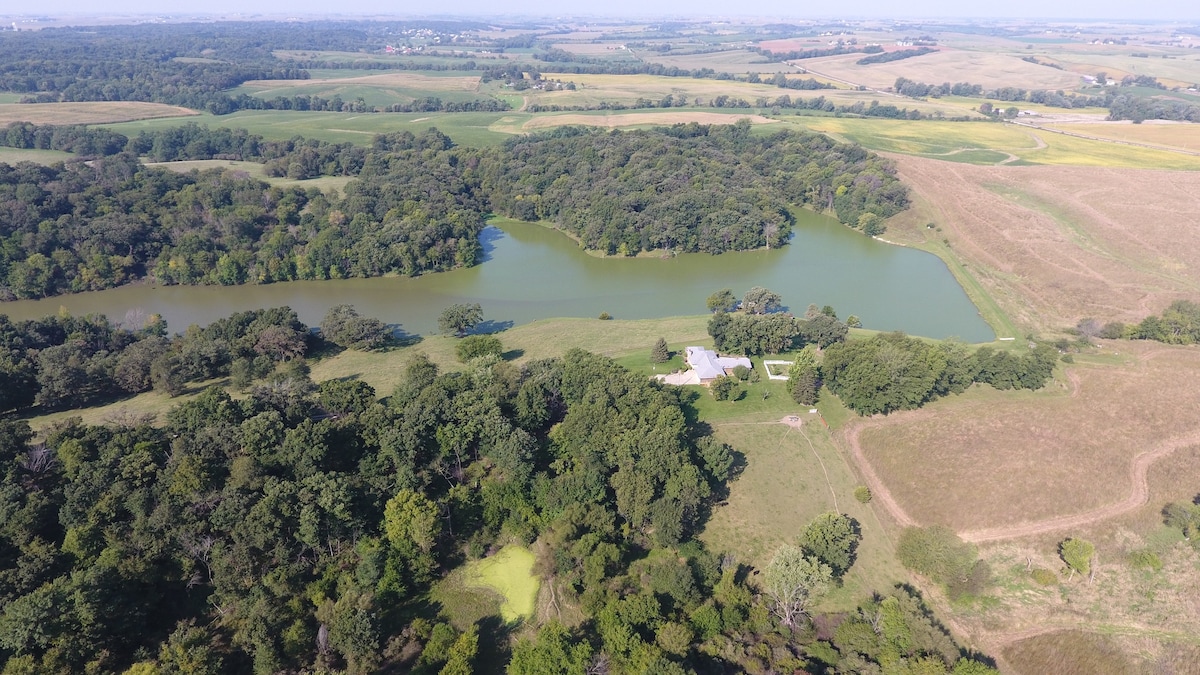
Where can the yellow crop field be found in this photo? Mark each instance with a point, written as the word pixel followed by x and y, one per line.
pixel 988 69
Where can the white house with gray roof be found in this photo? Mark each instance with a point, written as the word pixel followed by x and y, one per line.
pixel 709 366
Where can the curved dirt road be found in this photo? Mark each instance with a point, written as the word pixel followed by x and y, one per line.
pixel 1138 496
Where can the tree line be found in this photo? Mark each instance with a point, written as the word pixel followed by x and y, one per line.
pixel 114 220
pixel 67 362
pixel 418 204
pixel 686 188
pixel 887 57
pixel 303 526
pixel 1179 324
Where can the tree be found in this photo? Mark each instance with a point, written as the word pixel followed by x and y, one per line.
pixel 474 346
pixel 459 318
pixel 804 384
pixel 853 321
pixel 759 300
pixel 724 388
pixel 722 301
pixel 410 519
pixel 554 652
pixel 660 353
pixel 345 327
pixel 833 539
pixel 1077 554
pixel 792 581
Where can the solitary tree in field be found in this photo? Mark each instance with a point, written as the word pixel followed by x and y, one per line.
pixel 1077 553
pixel 792 581
pixel 660 353
pixel 833 539
pixel 459 318
pixel 759 300
pixel 722 301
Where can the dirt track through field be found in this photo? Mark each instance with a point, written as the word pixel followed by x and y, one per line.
pixel 1139 494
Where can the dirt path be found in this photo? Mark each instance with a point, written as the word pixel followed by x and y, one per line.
pixel 879 491
pixel 1165 148
pixel 1139 494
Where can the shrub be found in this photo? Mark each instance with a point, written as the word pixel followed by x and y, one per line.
pixel 1044 577
pixel 1144 557
pixel 605 316
pixel 474 346
pixel 863 494
pixel 741 372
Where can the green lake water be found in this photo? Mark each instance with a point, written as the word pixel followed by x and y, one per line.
pixel 532 272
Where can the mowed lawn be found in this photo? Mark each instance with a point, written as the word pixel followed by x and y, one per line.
pixel 988 458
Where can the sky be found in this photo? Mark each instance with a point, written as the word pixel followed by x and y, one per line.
pixel 1032 9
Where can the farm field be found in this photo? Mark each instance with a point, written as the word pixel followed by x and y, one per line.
pixel 1049 248
pixel 1167 134
pixel 995 464
pixel 14 155
pixel 359 128
pixel 989 69
pixel 637 119
pixel 375 89
pixel 1182 69
pixel 101 112
pixel 323 183
pixel 728 61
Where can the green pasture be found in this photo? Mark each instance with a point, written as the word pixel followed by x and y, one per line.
pixel 14 155
pixel 371 94
pixel 473 129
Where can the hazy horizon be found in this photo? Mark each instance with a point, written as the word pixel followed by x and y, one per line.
pixel 1083 10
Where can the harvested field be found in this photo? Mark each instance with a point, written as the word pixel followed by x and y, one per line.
pixel 997 465
pixel 1053 245
pixel 729 61
pixel 988 69
pixel 93 112
pixel 1183 135
pixel 647 118
pixel 402 80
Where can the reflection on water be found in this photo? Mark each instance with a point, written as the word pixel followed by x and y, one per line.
pixel 531 272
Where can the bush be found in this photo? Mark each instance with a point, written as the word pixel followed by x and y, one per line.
pixel 474 346
pixel 936 552
pixel 741 372
pixel 1144 557
pixel 605 316
pixel 863 494
pixel 1044 577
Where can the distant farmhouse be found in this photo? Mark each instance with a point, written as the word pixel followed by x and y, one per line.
pixel 708 366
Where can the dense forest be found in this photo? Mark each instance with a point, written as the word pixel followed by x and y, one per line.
pixel 688 187
pixel 302 528
pixel 87 226
pixel 417 205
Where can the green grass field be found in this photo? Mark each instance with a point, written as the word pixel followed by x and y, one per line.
pixel 473 129
pixel 323 183
pixel 14 155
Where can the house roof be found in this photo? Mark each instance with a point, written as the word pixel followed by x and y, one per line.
pixel 709 366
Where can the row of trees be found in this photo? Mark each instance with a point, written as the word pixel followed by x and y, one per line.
pixel 1058 99
pixel 64 362
pixel 1179 324
pixel 892 371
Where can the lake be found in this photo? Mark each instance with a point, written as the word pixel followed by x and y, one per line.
pixel 533 272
